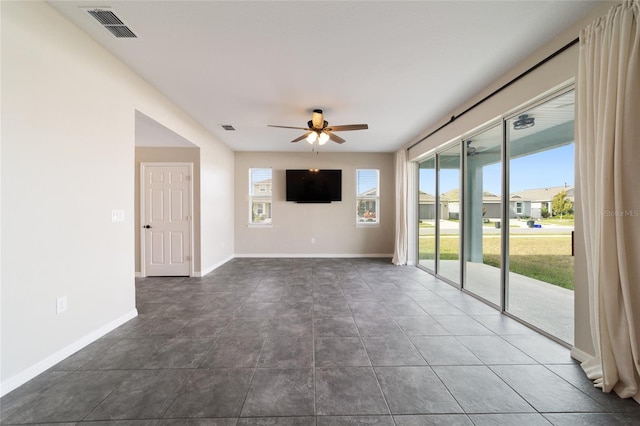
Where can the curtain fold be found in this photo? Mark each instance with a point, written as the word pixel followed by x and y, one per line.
pixel 608 151
pixel 401 239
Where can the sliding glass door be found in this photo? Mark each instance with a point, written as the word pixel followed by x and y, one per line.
pixel 508 191
pixel 540 143
pixel 427 214
pixel 483 213
pixel 449 209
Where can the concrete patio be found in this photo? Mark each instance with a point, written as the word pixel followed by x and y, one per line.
pixel 543 305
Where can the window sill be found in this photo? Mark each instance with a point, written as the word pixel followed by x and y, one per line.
pixel 368 225
pixel 259 225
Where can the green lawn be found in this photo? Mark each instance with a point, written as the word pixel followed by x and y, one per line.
pixel 546 258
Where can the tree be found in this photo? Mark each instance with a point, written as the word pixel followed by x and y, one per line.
pixel 561 205
pixel 544 211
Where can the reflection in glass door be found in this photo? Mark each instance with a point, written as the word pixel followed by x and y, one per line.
pixel 540 144
pixel 427 214
pixel 449 205
pixel 483 212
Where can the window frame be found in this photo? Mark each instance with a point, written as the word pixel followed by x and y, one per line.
pixel 369 198
pixel 260 194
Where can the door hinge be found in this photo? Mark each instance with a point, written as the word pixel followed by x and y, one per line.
pixel 188 177
pixel 188 258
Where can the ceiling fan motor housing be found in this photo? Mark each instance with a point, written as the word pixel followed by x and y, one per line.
pixel 317 120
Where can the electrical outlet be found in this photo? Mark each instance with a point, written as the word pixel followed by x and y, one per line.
pixel 61 304
pixel 313 240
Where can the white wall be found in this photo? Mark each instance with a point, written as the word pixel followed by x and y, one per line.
pixel 553 74
pixel 332 226
pixel 68 125
pixel 216 206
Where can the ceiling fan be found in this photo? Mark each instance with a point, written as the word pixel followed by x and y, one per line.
pixel 472 151
pixel 319 130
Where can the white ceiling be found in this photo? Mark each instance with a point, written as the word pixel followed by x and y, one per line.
pixel 398 66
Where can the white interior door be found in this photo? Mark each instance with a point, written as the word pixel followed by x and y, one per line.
pixel 166 219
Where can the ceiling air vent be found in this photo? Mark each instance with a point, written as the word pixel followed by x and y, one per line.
pixel 227 127
pixel 111 22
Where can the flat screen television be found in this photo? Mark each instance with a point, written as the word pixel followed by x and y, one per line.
pixel 314 185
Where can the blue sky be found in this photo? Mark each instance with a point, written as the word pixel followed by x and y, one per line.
pixel 554 167
pixel 367 179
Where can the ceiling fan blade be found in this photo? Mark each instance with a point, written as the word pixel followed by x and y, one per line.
pixel 335 138
pixel 288 127
pixel 301 138
pixel 346 127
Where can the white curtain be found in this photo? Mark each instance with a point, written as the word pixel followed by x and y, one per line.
pixel 401 244
pixel 608 150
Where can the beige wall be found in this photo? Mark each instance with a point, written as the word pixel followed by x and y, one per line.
pixel 216 206
pixel 169 155
pixel 558 72
pixel 68 134
pixel 332 226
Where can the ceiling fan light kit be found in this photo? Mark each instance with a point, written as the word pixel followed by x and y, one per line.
pixel 524 122
pixel 320 131
pixel 312 137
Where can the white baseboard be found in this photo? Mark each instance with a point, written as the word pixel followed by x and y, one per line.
pixel 138 274
pixel 313 255
pixel 40 367
pixel 213 267
pixel 580 355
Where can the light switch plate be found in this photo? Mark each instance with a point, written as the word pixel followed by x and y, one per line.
pixel 61 304
pixel 117 216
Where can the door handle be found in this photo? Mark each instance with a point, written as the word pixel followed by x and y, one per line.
pixel 147 226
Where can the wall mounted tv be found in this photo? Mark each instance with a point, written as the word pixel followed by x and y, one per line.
pixel 314 186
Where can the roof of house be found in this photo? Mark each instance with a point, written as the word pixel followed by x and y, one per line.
pixel 538 194
pixel 542 194
pixel 369 193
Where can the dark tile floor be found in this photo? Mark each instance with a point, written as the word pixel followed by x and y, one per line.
pixel 315 342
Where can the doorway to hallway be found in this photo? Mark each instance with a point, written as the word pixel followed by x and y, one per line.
pixel 166 218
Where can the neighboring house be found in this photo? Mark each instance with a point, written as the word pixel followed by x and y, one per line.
pixel 491 205
pixel 427 206
pixel 452 200
pixel 261 201
pixel 367 205
pixel 262 187
pixel 450 205
pixel 531 202
pixel 527 203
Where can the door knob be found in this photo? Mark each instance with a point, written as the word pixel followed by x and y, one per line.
pixel 147 226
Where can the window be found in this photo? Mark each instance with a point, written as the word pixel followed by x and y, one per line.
pixel 518 208
pixel 368 196
pixel 260 196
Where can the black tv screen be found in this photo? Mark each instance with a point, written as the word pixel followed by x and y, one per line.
pixel 314 186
